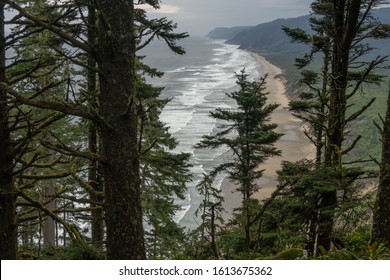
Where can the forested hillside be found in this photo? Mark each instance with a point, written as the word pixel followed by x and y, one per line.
pixel 227 33
pixel 272 42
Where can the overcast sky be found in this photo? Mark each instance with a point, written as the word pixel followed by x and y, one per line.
pixel 198 17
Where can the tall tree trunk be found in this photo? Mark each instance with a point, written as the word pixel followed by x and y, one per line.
pixel 381 219
pixel 346 14
pixel 8 224
pixel 117 101
pixel 321 141
pixel 320 126
pixel 49 225
pixel 97 223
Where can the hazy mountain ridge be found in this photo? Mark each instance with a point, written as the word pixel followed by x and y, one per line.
pixel 227 33
pixel 269 39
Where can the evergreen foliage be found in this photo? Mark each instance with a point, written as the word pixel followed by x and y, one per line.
pixel 250 137
pixel 48 42
pixel 381 221
pixel 89 171
pixel 211 212
pixel 164 174
pixel 340 31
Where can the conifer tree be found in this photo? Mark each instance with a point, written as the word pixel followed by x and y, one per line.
pixel 210 211
pixel 250 136
pixel 352 24
pixel 340 30
pixel 8 224
pixel 120 32
pixel 24 124
pixel 164 174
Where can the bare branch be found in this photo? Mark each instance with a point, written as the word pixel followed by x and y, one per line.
pixel 361 111
pixel 350 148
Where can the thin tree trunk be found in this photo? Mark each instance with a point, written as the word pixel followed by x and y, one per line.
pixel 8 223
pixel 213 232
pixel 49 225
pixel 97 223
pixel 381 218
pixel 117 108
pixel 321 141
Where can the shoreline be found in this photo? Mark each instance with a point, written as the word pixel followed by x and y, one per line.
pixel 293 144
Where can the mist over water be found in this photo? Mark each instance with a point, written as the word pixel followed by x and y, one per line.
pixel 196 83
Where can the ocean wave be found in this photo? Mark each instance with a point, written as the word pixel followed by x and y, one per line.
pixel 185 208
pixel 181 69
pixel 176 119
pixel 196 89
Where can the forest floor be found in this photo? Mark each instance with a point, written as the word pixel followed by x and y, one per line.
pixel 293 144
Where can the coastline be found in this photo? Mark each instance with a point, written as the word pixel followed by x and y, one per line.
pixel 293 144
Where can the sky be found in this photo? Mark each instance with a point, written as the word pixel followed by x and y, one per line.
pixel 198 17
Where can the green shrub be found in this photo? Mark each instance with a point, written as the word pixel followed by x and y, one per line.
pixel 289 254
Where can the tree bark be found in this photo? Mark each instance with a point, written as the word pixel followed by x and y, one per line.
pixel 49 225
pixel 381 218
pixel 213 233
pixel 8 224
pixel 345 30
pixel 117 101
pixel 97 221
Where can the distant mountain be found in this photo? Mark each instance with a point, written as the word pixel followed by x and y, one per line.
pixel 269 36
pixel 226 33
pixel 269 39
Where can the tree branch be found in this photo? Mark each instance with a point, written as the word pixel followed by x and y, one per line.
pixel 67 108
pixel 69 228
pixel 267 203
pixel 350 148
pixel 67 37
pixel 361 111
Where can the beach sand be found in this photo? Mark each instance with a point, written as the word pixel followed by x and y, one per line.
pixel 293 144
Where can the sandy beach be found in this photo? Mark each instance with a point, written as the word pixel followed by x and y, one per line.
pixel 293 144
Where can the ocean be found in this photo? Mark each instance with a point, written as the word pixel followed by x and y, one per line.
pixel 196 83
